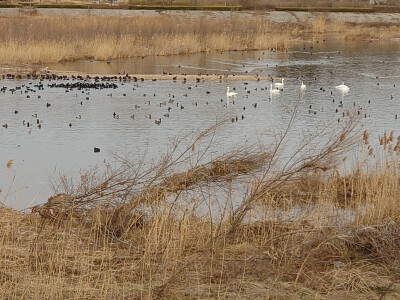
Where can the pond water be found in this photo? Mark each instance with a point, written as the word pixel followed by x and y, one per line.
pixel 73 122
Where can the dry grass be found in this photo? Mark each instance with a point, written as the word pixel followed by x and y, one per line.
pixel 37 39
pixel 373 32
pixel 369 31
pixel 318 26
pixel 302 230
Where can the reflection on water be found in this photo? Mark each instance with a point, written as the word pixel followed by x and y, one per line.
pixel 144 116
pixel 310 56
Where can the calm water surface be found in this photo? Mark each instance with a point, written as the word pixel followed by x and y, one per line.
pixel 370 69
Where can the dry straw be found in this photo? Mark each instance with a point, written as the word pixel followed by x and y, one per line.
pixel 38 39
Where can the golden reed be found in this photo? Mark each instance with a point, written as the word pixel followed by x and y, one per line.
pixel 38 39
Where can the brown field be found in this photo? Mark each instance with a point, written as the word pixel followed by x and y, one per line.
pixel 29 40
pixel 306 230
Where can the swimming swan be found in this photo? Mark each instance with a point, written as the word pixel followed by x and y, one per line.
pixel 280 84
pixel 272 91
pixel 230 94
pixel 343 88
pixel 302 87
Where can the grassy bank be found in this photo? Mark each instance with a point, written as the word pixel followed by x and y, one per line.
pixel 40 39
pixel 349 31
pixel 177 229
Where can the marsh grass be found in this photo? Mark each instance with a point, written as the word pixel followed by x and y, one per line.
pixel 318 26
pixel 375 31
pixel 37 39
pixel 349 31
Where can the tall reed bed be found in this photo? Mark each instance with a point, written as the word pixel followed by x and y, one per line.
pixel 41 39
pixel 348 31
pixel 38 39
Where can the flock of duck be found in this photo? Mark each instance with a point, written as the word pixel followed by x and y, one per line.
pixel 86 84
pixel 80 85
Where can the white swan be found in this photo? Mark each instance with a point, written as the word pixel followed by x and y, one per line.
pixel 230 94
pixel 303 87
pixel 280 84
pixel 343 88
pixel 272 91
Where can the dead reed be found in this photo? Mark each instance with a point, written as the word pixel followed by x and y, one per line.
pixel 375 31
pixel 349 31
pixel 38 39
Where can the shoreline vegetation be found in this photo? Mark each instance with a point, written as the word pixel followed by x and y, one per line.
pixel 303 231
pixel 40 39
pixel 37 40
